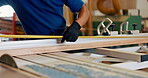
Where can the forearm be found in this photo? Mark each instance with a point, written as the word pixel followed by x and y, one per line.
pixel 72 32
pixel 83 15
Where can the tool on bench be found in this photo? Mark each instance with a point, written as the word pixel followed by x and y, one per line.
pixel 112 30
pixel 126 28
pixel 105 30
pixel 8 60
pixel 143 48
pixel 134 28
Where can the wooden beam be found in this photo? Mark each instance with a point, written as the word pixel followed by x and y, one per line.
pixel 140 57
pixel 9 72
pixel 39 68
pixel 27 44
pixel 36 68
pixel 79 66
pixel 41 64
pixel 90 58
pixel 87 44
pixel 90 25
pixel 145 69
pixel 132 65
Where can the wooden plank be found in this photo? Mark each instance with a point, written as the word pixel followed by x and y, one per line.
pixel 6 27
pixel 53 62
pixel 27 44
pixel 130 49
pixel 83 68
pixel 74 46
pixel 145 69
pixel 41 70
pixel 132 65
pixel 9 72
pixel 52 42
pixel 90 26
pixel 91 58
pixel 140 57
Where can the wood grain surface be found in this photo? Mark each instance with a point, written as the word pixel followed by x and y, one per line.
pixel 8 72
pixel 82 67
pixel 82 44
pixel 140 57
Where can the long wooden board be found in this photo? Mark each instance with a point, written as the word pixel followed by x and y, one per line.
pixel 45 42
pixel 9 72
pixel 83 56
pixel 81 44
pixel 127 65
pixel 95 70
pixel 41 69
pixel 140 57
pixel 132 65
pixel 41 64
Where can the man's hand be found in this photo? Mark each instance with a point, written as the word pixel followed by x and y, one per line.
pixel 71 34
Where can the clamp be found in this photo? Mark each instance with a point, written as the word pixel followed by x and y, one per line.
pixel 105 28
pixel 126 29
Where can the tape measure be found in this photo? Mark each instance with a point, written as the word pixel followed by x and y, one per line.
pixel 46 36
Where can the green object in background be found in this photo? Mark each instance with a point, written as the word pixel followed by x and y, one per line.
pixel 117 20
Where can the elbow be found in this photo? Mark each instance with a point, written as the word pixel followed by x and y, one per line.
pixel 83 15
pixel 87 12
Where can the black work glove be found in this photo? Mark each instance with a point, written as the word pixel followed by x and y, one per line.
pixel 71 34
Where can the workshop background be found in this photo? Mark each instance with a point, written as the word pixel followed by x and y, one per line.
pixel 129 10
pixel 112 44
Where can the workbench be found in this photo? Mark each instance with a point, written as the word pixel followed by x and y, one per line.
pixel 45 58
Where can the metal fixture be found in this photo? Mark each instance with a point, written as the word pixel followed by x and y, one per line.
pixel 105 28
pixel 126 28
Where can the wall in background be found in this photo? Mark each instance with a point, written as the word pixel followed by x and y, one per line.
pixel 6 11
pixel 141 5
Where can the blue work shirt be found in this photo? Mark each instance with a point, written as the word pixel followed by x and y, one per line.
pixel 42 17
